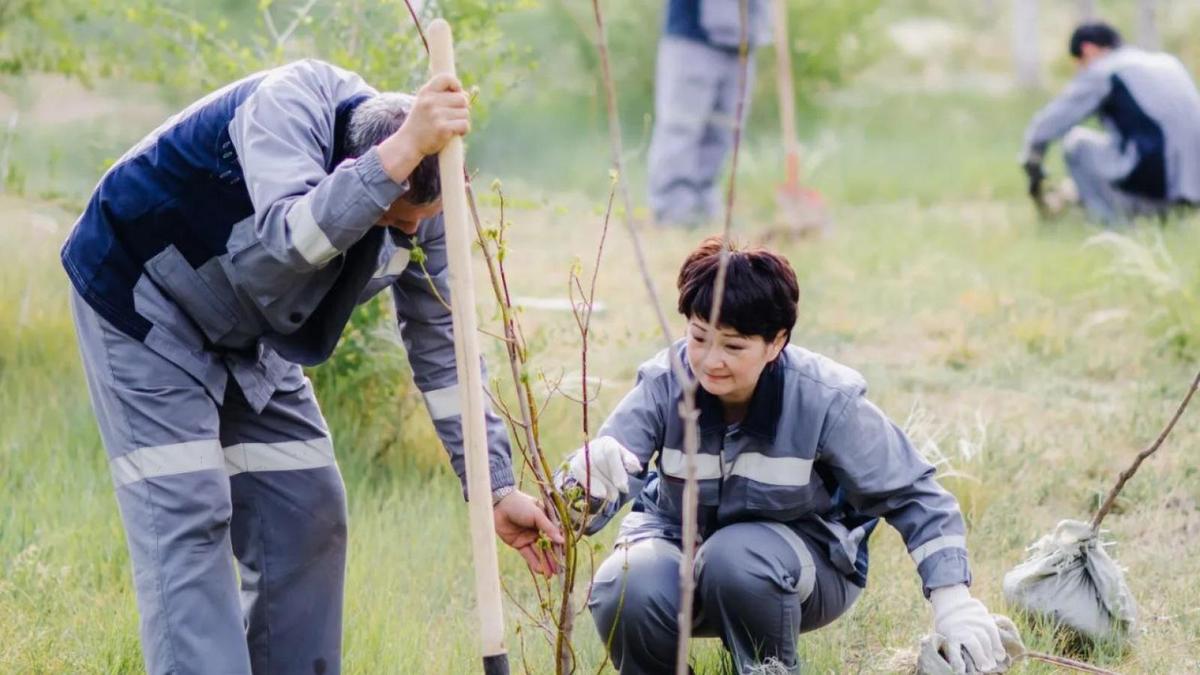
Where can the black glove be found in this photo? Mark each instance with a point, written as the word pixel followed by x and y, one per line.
pixel 1036 176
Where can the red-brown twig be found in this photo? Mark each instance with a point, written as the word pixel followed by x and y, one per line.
pixel 532 454
pixel 1064 662
pixel 687 407
pixel 417 22
pixel 614 130
pixel 563 618
pixel 691 486
pixel 1111 499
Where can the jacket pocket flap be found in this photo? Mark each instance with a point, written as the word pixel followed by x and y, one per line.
pixel 183 284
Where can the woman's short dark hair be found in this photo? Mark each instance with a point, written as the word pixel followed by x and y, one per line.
pixel 761 293
pixel 1098 33
pixel 372 122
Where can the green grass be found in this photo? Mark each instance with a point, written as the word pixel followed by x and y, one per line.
pixel 1033 364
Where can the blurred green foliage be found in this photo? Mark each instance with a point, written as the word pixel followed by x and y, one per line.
pixel 830 41
pixel 191 46
pixel 41 36
pixel 188 47
pixel 533 63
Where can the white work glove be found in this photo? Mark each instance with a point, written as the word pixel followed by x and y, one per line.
pixel 611 465
pixel 966 625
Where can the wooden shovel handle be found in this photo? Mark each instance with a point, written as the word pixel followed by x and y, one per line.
pixel 470 380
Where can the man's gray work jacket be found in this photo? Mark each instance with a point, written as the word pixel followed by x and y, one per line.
pixel 237 238
pixel 810 448
pixel 1149 104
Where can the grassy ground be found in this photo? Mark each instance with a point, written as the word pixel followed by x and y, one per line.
pixel 1027 361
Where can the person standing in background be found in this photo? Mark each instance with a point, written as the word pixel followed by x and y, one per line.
pixel 696 103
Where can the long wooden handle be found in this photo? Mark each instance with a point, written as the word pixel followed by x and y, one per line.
pixel 470 380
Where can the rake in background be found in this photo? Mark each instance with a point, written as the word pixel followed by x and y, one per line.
pixel 800 210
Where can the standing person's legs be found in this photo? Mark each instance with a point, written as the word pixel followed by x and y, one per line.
pixel 289 528
pixel 160 429
pixel 718 133
pixel 760 585
pixel 1096 164
pixel 634 602
pixel 685 90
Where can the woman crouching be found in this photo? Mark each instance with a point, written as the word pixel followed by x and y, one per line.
pixel 795 468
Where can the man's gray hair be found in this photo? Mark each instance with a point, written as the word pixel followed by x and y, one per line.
pixel 374 120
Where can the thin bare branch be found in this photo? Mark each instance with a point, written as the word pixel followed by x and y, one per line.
pixel 612 194
pixel 570 398
pixel 612 632
pixel 201 35
pixel 499 405
pixel 512 339
pixel 614 132
pixel 691 487
pixel 585 324
pixel 573 283
pixel 537 623
pixel 688 412
pixel 1137 462
pixel 552 388
pixel 1064 662
pixel 301 14
pixel 496 336
pixel 417 22
pixel 269 21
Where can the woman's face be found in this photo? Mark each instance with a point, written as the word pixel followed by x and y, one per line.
pixel 728 363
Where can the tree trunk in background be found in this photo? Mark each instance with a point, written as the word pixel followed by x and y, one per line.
pixel 1087 10
pixel 1147 25
pixel 1025 44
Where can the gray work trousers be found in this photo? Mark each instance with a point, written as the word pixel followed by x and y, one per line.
pixel 695 106
pixel 204 484
pixel 759 585
pixel 1097 163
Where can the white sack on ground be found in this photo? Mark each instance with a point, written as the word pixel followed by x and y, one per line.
pixel 1068 578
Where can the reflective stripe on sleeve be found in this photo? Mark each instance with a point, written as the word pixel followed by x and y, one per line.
pixel 920 553
pixel 396 264
pixel 307 236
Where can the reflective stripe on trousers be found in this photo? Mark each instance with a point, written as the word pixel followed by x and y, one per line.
pixel 758 586
pixel 201 484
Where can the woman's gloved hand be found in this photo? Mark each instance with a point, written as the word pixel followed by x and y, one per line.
pixel 611 464
pixel 966 624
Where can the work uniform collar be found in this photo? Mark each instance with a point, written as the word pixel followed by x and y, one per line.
pixel 762 415
pixel 341 120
